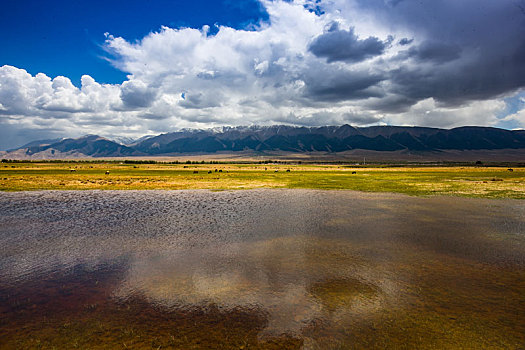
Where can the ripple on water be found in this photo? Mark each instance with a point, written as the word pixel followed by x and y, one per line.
pixel 260 267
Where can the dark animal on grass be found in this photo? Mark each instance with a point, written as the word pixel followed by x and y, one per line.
pixel 107 172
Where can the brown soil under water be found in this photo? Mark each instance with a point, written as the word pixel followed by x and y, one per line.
pixel 269 269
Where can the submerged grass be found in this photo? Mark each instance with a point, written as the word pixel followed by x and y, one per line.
pixel 483 182
pixel 415 300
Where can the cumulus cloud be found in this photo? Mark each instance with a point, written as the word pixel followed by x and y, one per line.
pixel 310 63
pixel 23 94
pixel 135 94
pixel 344 45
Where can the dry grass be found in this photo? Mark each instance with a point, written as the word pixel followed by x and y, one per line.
pixel 487 182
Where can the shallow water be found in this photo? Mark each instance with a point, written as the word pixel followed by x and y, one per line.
pixel 260 269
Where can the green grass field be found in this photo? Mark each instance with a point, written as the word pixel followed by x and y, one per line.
pixel 483 182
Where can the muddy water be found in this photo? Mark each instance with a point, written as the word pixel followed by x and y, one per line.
pixel 260 269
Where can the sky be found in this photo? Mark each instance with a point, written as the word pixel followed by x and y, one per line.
pixel 133 68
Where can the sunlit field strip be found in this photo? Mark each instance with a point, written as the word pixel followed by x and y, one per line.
pixel 484 182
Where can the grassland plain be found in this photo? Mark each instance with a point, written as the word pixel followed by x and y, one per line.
pixel 482 182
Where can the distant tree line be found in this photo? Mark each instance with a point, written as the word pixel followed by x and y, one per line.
pixel 270 161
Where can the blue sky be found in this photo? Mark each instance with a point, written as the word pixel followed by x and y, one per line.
pixel 132 68
pixel 65 37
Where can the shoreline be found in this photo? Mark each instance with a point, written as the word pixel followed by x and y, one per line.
pixel 371 195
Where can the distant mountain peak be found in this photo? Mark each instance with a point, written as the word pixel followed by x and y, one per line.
pixel 288 139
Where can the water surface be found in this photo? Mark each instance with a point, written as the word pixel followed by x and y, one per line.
pixel 260 269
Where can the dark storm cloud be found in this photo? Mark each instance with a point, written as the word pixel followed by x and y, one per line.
pixel 342 45
pixel 462 82
pixel 341 85
pixel 438 52
pixel 464 50
pixel 391 103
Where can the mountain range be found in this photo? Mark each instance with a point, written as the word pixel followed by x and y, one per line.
pixel 279 138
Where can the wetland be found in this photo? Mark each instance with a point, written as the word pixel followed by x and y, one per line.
pixel 260 268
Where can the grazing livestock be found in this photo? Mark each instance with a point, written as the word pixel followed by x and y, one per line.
pixel 107 172
pixel 354 172
pixel 510 169
pixel 195 171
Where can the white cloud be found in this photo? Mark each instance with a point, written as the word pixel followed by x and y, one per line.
pixel 518 117
pixel 23 94
pixel 428 113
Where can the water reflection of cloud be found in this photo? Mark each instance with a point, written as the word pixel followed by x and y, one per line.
pixel 301 257
pixel 275 275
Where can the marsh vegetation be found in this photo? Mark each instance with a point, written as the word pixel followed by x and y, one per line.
pixel 483 182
